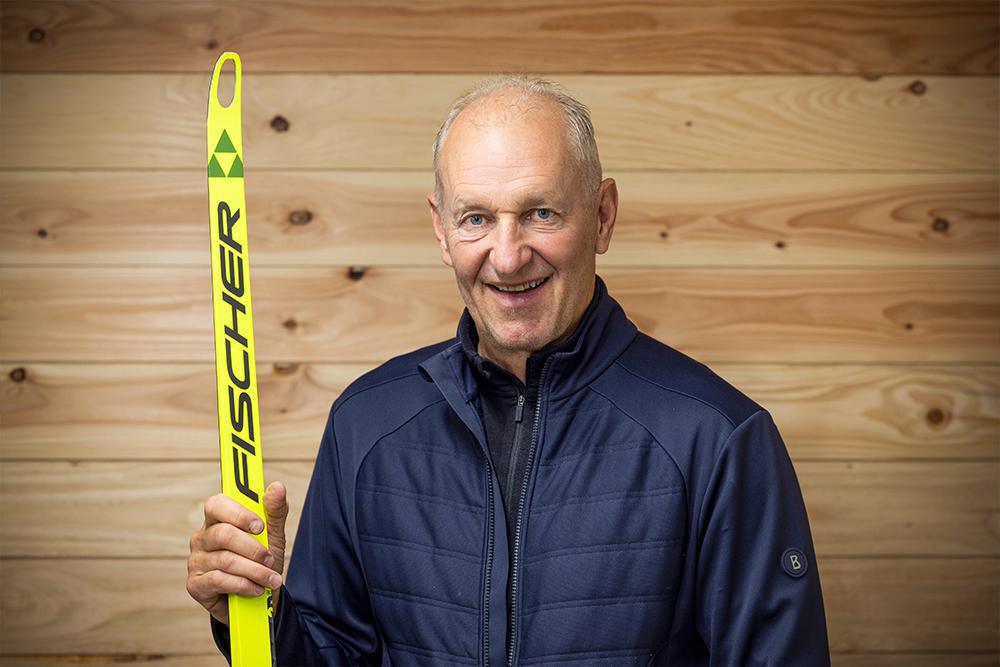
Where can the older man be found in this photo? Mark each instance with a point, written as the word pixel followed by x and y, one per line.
pixel 549 486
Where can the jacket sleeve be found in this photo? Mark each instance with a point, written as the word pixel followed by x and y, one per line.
pixel 324 614
pixel 759 597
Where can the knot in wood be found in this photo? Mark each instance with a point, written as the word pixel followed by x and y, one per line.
pixel 280 124
pixel 935 416
pixel 300 217
pixel 18 374
pixel 36 35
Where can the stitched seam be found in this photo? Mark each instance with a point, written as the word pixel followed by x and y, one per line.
pixel 607 497
pixel 676 391
pixel 429 652
pixel 598 602
pixel 417 546
pixel 597 548
pixel 622 447
pixel 451 453
pixel 413 495
pixel 591 654
pixel 420 599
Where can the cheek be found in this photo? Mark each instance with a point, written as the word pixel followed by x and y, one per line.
pixel 467 258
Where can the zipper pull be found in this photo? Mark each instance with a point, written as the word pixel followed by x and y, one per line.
pixel 520 408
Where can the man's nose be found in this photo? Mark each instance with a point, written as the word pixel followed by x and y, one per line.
pixel 510 252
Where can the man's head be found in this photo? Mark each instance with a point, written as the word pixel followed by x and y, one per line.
pixel 519 198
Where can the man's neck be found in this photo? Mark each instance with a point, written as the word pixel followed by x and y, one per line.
pixel 514 362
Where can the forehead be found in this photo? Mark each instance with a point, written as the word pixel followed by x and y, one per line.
pixel 506 151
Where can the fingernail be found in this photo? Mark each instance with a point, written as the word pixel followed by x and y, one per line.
pixel 257 590
pixel 256 526
pixel 275 580
pixel 269 560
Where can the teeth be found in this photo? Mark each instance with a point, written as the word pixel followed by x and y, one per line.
pixel 520 288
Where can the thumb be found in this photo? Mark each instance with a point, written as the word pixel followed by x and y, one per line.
pixel 276 507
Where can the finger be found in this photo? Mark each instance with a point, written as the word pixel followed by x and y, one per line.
pixel 220 508
pixel 237 565
pixel 275 502
pixel 227 537
pixel 216 582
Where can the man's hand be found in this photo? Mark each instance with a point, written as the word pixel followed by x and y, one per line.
pixel 225 560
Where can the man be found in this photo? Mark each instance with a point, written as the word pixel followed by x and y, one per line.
pixel 549 486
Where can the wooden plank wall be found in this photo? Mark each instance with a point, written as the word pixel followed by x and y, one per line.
pixel 809 205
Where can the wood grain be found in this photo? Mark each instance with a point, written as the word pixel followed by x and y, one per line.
pixel 716 315
pixel 151 508
pixel 323 218
pixel 873 605
pixel 725 122
pixel 136 412
pixel 904 605
pixel 582 36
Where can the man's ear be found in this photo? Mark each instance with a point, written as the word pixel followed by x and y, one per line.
pixel 607 211
pixel 439 229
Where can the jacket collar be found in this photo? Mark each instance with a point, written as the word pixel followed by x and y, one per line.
pixel 601 336
pixel 492 376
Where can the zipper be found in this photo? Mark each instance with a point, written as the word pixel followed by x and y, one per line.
pixel 489 565
pixel 520 514
pixel 515 447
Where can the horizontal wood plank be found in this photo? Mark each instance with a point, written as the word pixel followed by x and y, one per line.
pixel 310 314
pixel 155 411
pixel 875 605
pixel 886 605
pixel 323 218
pixel 968 659
pixel 121 509
pixel 144 121
pixel 117 659
pixel 582 36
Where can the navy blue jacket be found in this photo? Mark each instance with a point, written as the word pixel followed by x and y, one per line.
pixel 663 522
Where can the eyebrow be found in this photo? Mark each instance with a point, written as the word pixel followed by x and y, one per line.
pixel 532 201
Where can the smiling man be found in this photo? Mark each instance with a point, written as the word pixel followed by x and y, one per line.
pixel 550 485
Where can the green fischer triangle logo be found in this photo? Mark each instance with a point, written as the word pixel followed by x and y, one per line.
pixel 225 144
pixel 215 169
pixel 224 150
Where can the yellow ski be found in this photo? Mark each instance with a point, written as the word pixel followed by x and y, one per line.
pixel 250 618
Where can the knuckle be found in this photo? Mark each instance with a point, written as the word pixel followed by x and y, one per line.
pixel 227 561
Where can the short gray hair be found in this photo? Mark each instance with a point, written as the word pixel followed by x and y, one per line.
pixel 580 130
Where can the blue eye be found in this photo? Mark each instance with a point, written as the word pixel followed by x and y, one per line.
pixel 544 213
pixel 475 219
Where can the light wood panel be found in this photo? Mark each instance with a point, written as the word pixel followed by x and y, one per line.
pixel 874 605
pixel 588 36
pixel 143 121
pixel 919 604
pixel 716 315
pixel 154 411
pixel 308 218
pixel 123 509
pixel 118 659
pixel 135 508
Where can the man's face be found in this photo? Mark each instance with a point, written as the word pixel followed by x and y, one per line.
pixel 513 214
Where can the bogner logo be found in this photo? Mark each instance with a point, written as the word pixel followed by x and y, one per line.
pixel 237 350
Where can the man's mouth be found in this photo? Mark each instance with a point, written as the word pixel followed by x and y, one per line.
pixel 522 287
